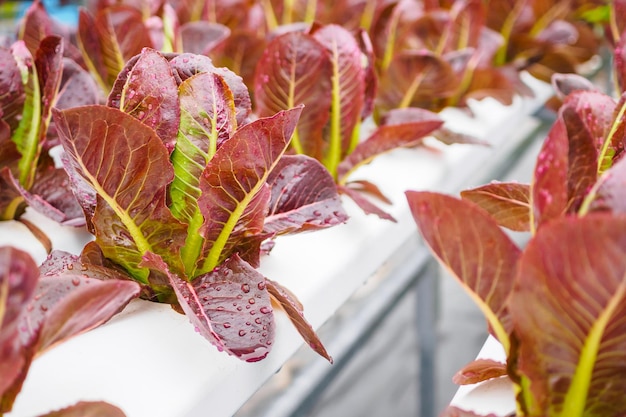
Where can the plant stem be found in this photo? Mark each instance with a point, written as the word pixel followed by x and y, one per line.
pixel 602 158
pixel 368 15
pixel 334 146
pixel 391 42
pixel 311 10
pixel 213 257
pixel 190 253
pixel 287 12
pixel 411 91
pixel 507 30
pixel 11 210
pixel 270 16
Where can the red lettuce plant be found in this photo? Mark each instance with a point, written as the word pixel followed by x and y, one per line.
pixel 544 37
pixel 435 54
pixel 42 307
pixel 36 76
pixel 556 306
pixel 110 33
pixel 181 191
pixel 330 71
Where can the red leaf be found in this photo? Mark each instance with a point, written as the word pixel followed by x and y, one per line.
pixel 18 279
pixel 296 69
pixel 451 411
pixel 549 187
pixel 568 310
pixel 400 128
pixel 88 409
pixel 363 202
pixel 468 241
pixel 303 197
pixel 188 65
pixel 478 371
pixel 229 306
pixel 610 191
pixel 507 203
pixel 71 298
pixel 349 78
pixel 294 310
pixel 150 94
pixel 128 166
pixel 233 185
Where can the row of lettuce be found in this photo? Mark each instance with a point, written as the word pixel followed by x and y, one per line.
pixel 195 133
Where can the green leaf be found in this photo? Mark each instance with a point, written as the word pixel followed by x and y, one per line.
pixel 26 136
pixel 207 120
pixel 128 166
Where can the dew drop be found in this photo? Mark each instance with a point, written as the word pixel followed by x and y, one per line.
pixel 75 282
pixel 245 288
pixel 70 267
pixel 239 308
pixel 261 285
pixel 252 312
pixel 220 308
pixel 257 320
pixel 43 307
pixel 227 325
pixel 242 332
pixel 264 310
pixel 252 301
